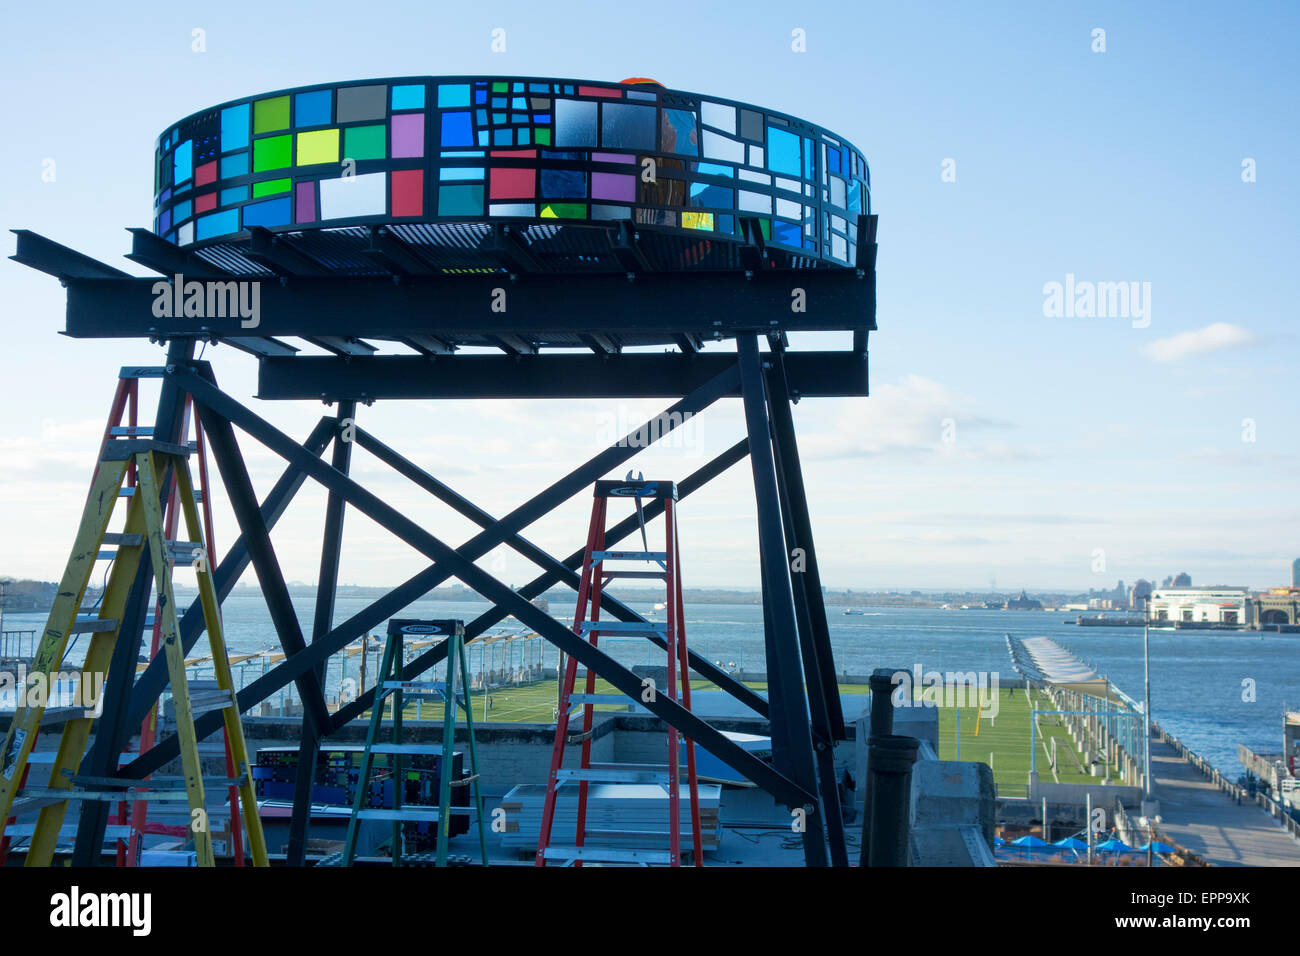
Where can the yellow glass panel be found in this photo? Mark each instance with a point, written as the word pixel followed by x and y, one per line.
pixel 318 146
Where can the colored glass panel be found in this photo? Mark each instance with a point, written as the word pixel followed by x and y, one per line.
pixel 678 133
pixel 627 126
pixel 408 135
pixel 717 146
pixel 272 212
pixel 718 115
pixel 354 196
pixel 234 128
pixel 697 220
pixel 304 202
pixel 270 187
pixel 364 142
pixel 359 103
pixel 454 173
pixel 782 151
pixel 271 114
pixel 511 183
pixel 564 184
pixel 207 173
pixel 460 200
pixel 614 186
pixel 234 165
pixel 182 162
pixel 273 152
pixel 563 210
pixel 408 192
pixel 411 97
pixel 233 195
pixel 451 95
pixel 575 123
pixel 181 211
pixel 318 146
pixel 313 109
pixel 217 224
pixel 457 129
pixel 205 203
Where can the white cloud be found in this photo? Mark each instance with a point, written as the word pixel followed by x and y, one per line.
pixel 1212 338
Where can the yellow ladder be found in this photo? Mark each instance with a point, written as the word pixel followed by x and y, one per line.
pixel 143 527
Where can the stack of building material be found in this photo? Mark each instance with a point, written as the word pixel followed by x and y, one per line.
pixel 618 814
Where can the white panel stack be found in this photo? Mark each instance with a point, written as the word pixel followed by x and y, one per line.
pixel 618 815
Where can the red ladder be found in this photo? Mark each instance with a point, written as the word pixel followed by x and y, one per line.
pixel 615 846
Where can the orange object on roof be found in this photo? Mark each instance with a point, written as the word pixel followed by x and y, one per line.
pixel 641 79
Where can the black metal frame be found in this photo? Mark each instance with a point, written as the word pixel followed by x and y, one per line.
pixel 802 708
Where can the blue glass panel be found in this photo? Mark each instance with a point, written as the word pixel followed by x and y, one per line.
pixel 782 151
pixel 713 197
pixel 453 95
pixel 575 123
pixel 679 132
pixel 217 224
pixel 234 128
pixel 807 159
pixel 713 169
pixel 313 109
pixel 236 165
pixel 541 119
pixel 457 130
pixel 518 103
pixel 503 137
pixel 564 184
pixel 480 96
pixel 481 116
pixel 183 162
pixel 498 119
pixel 832 159
pixel 627 126
pixel 273 212
pixel 181 211
pixel 787 233
pixel 460 173
pixel 483 138
pixel 411 97
pixel 234 194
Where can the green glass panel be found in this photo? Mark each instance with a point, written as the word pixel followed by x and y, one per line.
pixel 364 142
pixel 273 152
pixel 564 210
pixel 500 87
pixel 270 187
pixel 542 137
pixel 270 115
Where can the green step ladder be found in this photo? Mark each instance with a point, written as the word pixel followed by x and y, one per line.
pixel 391 686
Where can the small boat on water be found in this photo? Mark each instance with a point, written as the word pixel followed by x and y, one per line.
pixel 854 610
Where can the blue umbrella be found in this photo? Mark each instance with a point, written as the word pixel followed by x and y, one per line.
pixel 1156 846
pixel 1071 843
pixel 998 841
pixel 1030 841
pixel 1115 846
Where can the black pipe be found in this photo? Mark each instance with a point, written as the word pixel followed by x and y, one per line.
pixel 881 724
pixel 889 784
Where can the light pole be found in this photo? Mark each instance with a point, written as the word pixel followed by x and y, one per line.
pixel 1146 701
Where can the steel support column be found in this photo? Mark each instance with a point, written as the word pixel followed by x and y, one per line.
pixel 326 592
pixel 792 746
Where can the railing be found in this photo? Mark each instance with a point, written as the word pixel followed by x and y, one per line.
pixel 11 643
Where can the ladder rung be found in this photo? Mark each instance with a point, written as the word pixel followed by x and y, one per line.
pixel 24 830
pixel 599 556
pixel 93 625
pixel 124 539
pixel 605 854
pixel 641 628
pixel 627 833
pixel 417 688
pixel 109 796
pixel 593 775
pixel 618 700
pixel 435 749
pixel 124 449
pixel 413 813
pixel 217 699
pixel 183 549
pixel 127 492
pixel 611 575
pixel 156 785
pixel 131 431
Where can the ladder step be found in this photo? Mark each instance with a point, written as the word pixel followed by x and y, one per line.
pixel 604 854
pixel 617 700
pixel 123 539
pixel 157 785
pixel 635 628
pixel 434 749
pixel 598 556
pixel 611 575
pixel 131 431
pixel 183 550
pixel 417 688
pixel 93 625
pixel 218 699
pixel 107 796
pixel 594 775
pixel 412 814
pixel 334 859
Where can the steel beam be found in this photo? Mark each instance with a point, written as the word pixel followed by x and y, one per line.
pixel 655 306
pixel 562 375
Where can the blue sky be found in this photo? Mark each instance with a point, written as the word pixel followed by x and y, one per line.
pixel 1071 435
